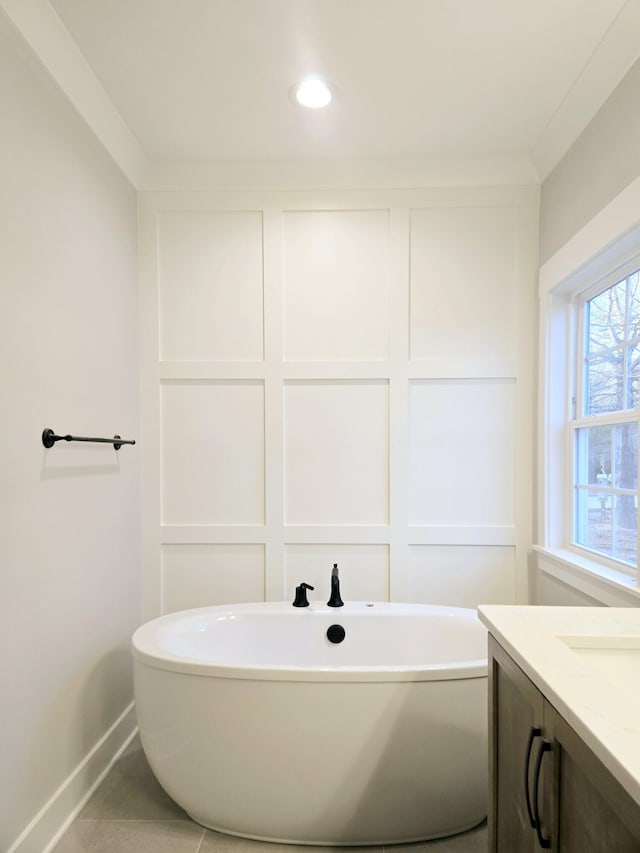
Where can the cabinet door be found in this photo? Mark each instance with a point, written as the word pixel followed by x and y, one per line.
pixel 592 811
pixel 516 714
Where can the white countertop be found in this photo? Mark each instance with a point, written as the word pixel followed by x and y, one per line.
pixel 602 706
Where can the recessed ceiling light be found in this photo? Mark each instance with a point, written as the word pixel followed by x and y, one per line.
pixel 312 93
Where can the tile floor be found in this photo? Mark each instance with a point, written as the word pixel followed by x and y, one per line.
pixel 130 813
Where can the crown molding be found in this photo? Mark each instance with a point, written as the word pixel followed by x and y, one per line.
pixel 341 174
pixel 43 32
pixel 608 64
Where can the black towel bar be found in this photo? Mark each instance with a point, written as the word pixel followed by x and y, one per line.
pixel 49 438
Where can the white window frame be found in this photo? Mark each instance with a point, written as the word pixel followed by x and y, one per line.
pixel 602 253
pixel 580 419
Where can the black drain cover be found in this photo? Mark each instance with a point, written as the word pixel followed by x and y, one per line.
pixel 335 633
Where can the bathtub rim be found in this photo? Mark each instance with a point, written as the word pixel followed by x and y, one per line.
pixel 145 653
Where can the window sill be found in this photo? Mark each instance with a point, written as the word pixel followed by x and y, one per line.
pixel 606 585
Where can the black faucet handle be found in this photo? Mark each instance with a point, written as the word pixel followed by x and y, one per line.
pixel 301 595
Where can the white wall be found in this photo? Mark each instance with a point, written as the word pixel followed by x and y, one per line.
pixel 339 376
pixel 600 164
pixel 70 521
pixel 549 590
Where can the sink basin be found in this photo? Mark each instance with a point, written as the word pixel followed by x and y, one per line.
pixel 616 656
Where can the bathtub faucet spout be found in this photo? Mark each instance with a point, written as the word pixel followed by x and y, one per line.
pixel 334 598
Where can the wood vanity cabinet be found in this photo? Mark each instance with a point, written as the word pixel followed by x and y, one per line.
pixel 547 788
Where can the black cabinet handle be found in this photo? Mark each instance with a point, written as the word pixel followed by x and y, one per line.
pixel 535 732
pixel 545 746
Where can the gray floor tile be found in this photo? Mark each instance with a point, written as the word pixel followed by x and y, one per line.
pixel 131 798
pixel 133 761
pixel 98 836
pixel 131 813
pixel 216 842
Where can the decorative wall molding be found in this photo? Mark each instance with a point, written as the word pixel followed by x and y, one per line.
pixel 394 322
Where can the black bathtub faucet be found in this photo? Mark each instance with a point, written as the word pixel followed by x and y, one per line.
pixel 334 598
pixel 301 595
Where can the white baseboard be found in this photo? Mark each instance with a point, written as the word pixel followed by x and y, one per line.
pixel 54 818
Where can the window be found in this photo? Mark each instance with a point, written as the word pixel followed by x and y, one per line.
pixel 589 404
pixel 604 428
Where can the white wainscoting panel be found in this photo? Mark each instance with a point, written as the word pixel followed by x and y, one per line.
pixel 210 280
pixel 464 287
pixel 462 575
pixel 336 452
pixel 364 571
pixel 462 459
pixel 337 376
pixel 336 285
pixel 198 575
pixel 212 452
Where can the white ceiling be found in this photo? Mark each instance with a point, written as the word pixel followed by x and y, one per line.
pixel 203 80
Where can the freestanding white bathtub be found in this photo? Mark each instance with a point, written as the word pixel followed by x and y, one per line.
pixel 258 725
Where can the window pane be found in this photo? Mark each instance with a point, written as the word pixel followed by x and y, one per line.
pixel 625 528
pixel 625 468
pixel 633 374
pixel 607 524
pixel 594 521
pixel 607 460
pixel 607 318
pixel 633 328
pixel 593 456
pixel 605 383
